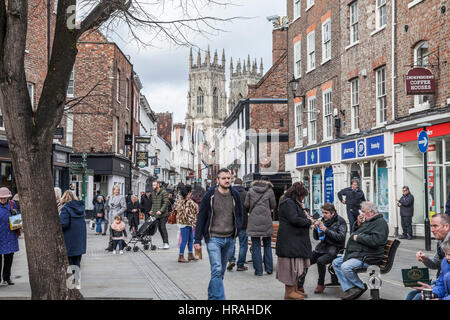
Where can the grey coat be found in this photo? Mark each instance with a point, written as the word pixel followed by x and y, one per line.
pixel 116 205
pixel 259 202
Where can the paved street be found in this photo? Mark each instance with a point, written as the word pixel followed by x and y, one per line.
pixel 158 275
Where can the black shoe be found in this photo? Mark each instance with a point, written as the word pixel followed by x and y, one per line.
pixel 410 237
pixel 361 291
pixel 258 274
pixel 243 268
pixel 230 266
pixel 269 272
pixel 402 237
pixel 9 282
pixel 109 249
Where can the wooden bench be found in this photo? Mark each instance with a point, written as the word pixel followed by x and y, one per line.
pixel 390 249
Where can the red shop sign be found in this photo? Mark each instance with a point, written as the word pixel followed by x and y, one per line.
pixel 420 81
pixel 433 131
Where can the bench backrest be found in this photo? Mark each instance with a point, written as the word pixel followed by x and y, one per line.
pixel 390 250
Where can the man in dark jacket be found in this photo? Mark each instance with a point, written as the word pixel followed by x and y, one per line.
pixel 331 231
pixel 146 204
pixel 406 204
pixel 243 239
pixel 160 205
pixel 369 238
pixel 353 198
pixel 219 221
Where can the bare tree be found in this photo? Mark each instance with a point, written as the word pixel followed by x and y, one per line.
pixel 30 130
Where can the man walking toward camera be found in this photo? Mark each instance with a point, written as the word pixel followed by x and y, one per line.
pixel 219 221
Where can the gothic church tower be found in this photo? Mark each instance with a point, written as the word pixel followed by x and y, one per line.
pixel 207 97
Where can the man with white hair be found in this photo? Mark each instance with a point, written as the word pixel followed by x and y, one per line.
pixel 368 238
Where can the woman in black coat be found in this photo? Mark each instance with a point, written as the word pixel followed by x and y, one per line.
pixel 293 246
pixel 133 214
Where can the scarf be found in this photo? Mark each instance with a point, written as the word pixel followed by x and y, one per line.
pixel 118 226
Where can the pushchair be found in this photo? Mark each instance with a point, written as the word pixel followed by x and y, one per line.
pixel 144 236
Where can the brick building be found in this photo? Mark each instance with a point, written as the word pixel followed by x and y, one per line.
pixel 41 24
pixel 165 122
pixel 422 42
pixel 314 69
pixel 102 108
pixel 254 137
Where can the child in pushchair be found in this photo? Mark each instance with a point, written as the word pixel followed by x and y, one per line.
pixel 144 236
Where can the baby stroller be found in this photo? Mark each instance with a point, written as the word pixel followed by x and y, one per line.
pixel 144 235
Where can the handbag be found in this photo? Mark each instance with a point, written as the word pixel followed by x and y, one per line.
pixel 172 217
pixel 15 221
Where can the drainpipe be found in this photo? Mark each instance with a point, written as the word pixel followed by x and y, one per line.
pixel 394 101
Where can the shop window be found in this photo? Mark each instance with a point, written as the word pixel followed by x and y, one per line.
pixel 447 153
pixel 381 187
pixel 355 173
pixel 317 191
pixel 421 60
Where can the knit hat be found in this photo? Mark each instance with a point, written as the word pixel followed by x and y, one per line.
pixel 5 193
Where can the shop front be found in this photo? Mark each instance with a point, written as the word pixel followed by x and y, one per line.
pixel 6 171
pixel 368 160
pixel 410 170
pixel 316 172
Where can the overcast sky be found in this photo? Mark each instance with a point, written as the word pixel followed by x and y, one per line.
pixel 164 69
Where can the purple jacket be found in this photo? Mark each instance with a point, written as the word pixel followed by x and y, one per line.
pixel 8 238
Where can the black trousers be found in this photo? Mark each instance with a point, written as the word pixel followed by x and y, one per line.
pixel 75 261
pixel 6 260
pixel 406 225
pixel 322 260
pixel 161 223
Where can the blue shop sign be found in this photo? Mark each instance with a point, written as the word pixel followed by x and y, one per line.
pixel 375 145
pixel 312 156
pixel 325 154
pixel 301 159
pixel 349 150
pixel 361 147
pixel 329 185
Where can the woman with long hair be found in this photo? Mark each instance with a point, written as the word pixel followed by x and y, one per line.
pixel 293 246
pixel 187 211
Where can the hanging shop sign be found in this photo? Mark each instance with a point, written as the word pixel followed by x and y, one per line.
pixel 142 159
pixel 128 139
pixel 420 81
pixel 142 139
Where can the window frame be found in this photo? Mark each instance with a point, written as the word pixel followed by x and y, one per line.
pixel 354 105
pixel 324 44
pixel 312 120
pixel 354 25
pixel 71 80
pixel 311 52
pixel 200 101
pixel 297 9
pixel 419 104
pixel 118 85
pixel 298 134
pixel 30 88
pixel 298 62
pixel 69 133
pixel 309 4
pixel 379 14
pixel 127 84
pixel 327 117
pixel 381 97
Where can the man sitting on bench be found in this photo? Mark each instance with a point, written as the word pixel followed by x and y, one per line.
pixel 369 237
pixel 331 231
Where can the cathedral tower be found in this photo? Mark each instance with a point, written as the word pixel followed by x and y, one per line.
pixel 207 97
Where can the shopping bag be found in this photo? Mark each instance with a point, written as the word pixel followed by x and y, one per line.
pixel 15 222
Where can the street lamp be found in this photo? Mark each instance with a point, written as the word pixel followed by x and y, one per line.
pixel 425 178
pixel 293 85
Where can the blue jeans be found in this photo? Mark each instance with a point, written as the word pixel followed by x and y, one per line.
pixel 187 237
pixel 219 251
pixel 344 271
pixel 99 225
pixel 243 247
pixel 256 255
pixel 118 243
